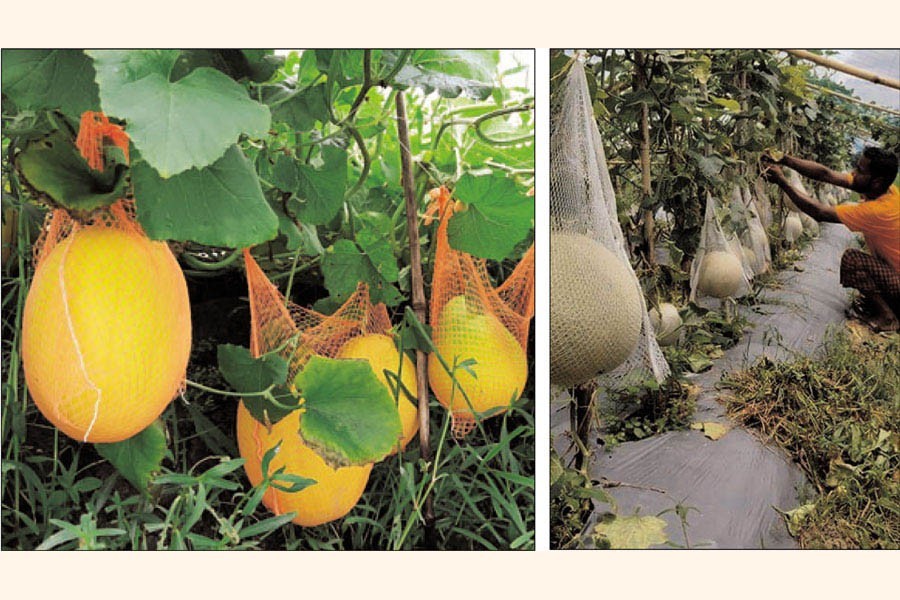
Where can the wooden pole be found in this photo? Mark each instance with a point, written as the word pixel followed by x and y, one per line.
pixel 418 303
pixel 845 68
pixel 640 83
pixel 871 105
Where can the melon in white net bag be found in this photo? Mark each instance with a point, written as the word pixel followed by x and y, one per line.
pixel 600 331
pixel 755 239
pixel 717 270
pixel 763 203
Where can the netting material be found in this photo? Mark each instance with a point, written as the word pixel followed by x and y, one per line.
pixel 716 277
pixel 106 331
pixel 470 318
pixel 754 236
pixel 298 334
pixel 582 201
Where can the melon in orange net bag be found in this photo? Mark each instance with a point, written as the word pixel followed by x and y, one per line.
pixel 357 330
pixel 106 330
pixel 474 321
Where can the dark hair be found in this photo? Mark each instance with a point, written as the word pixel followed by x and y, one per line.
pixel 882 164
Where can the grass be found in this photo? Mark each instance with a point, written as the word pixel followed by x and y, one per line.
pixel 837 415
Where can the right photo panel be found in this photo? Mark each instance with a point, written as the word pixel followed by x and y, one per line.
pixel 724 299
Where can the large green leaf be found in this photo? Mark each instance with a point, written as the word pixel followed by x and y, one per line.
pixel 38 79
pixel 349 416
pixel 449 72
pixel 54 166
pixel 498 217
pixel 301 109
pixel 344 265
pixel 139 457
pixel 179 125
pixel 220 205
pixel 249 375
pixel 319 189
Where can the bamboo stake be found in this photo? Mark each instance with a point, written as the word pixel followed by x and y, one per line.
pixel 640 83
pixel 845 68
pixel 872 105
pixel 418 303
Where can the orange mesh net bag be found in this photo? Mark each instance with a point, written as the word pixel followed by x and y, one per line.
pixel 357 329
pixel 106 330
pixel 480 330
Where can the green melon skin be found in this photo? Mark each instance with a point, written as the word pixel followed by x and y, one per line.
pixel 595 310
pixel 666 323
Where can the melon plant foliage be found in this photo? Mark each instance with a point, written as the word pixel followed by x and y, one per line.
pixel 295 153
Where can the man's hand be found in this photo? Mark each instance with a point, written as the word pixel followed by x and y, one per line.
pixel 772 156
pixel 774 174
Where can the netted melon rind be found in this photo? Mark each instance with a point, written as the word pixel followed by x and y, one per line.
pixel 595 310
pixel 721 275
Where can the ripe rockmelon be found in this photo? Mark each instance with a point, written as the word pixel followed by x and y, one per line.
pixel 381 353
pixel 501 367
pixel 721 274
pixel 335 492
pixel 666 323
pixel 595 309
pixel 106 333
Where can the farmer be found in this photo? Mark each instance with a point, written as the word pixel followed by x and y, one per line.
pixel 875 274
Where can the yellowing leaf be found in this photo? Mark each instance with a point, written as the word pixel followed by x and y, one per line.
pixel 713 431
pixel 633 533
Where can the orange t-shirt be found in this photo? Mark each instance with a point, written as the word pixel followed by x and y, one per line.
pixel 879 222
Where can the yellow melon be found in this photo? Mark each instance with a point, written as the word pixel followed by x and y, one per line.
pixel 501 366
pixel 382 354
pixel 106 333
pixel 793 227
pixel 335 492
pixel 666 323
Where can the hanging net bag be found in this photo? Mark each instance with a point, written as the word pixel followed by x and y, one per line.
pixel 763 203
pixel 106 330
pixel 356 330
pixel 755 238
pixel 600 331
pixel 480 332
pixel 717 270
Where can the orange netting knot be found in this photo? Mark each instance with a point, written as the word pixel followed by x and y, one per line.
pixel 440 200
pixel 95 128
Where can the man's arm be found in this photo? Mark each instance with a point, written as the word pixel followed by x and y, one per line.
pixel 815 209
pixel 814 170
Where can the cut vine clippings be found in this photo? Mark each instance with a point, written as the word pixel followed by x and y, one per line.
pixel 148 194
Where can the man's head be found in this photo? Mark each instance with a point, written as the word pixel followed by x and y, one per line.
pixel 875 171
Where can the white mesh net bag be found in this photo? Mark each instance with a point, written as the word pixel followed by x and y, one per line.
pixel 810 225
pixel 600 330
pixel 717 271
pixel 763 203
pixel 755 237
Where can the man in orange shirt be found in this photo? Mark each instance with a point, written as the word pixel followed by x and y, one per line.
pixel 875 275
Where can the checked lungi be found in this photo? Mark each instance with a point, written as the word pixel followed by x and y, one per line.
pixel 870 275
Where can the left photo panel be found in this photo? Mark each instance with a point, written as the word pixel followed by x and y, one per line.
pixel 268 299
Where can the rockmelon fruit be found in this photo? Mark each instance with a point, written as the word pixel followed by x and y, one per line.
pixel 106 333
pixel 666 323
pixel 463 332
pixel 595 309
pixel 793 227
pixel 382 355
pixel 720 274
pixel 335 492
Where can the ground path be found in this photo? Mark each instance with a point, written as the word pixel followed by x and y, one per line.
pixel 736 482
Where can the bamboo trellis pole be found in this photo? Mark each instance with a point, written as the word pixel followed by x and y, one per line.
pixel 845 68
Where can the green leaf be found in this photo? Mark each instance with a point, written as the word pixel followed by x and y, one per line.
pixel 39 79
pixel 321 190
pixel 252 375
pixel 139 457
pixel 344 265
pixel 301 110
pixel 220 205
pixel 710 165
pixel 727 103
pixel 53 165
pixel 498 216
pixel 633 533
pixel 349 416
pixel 189 123
pixel 449 72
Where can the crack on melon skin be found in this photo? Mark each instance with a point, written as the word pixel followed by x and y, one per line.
pixel 116 308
